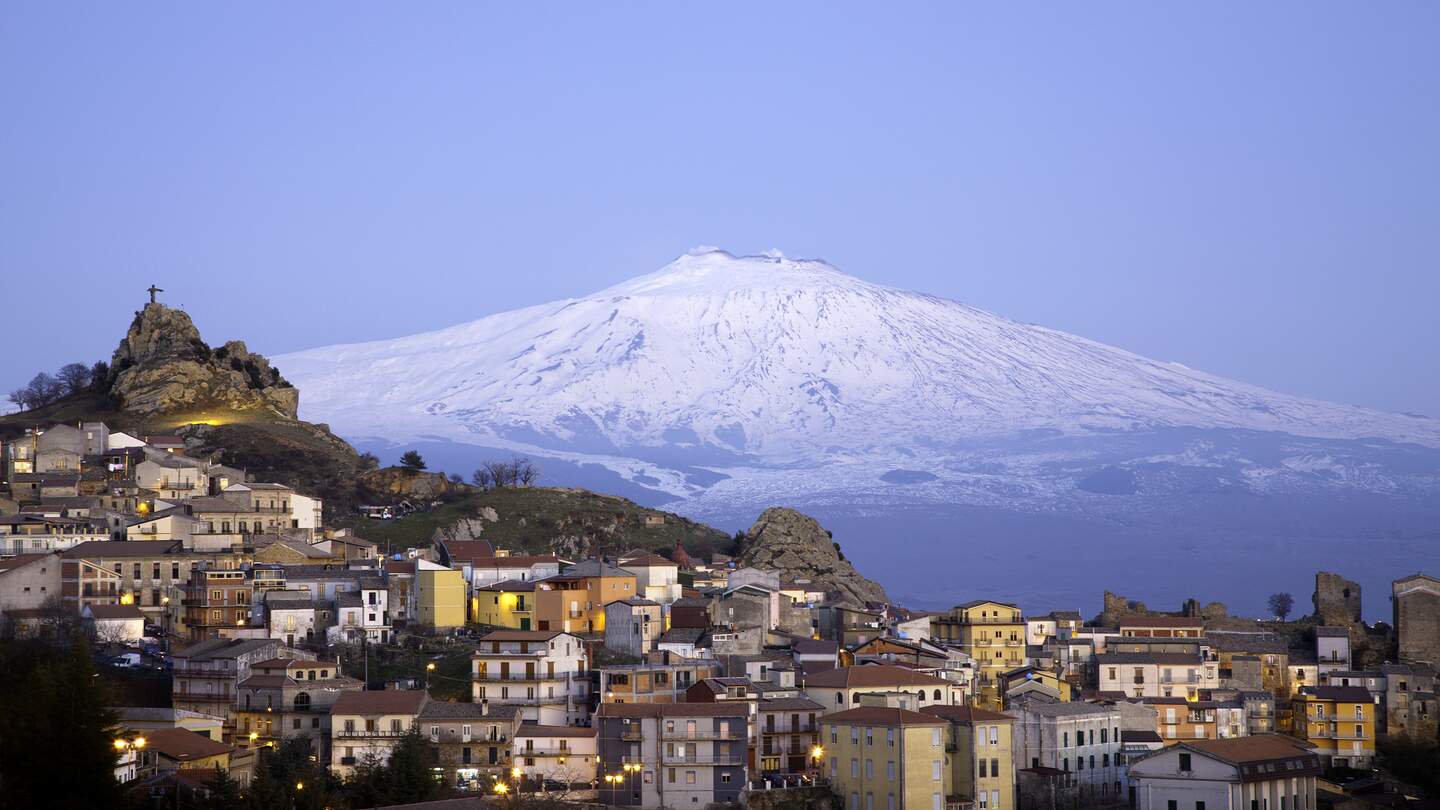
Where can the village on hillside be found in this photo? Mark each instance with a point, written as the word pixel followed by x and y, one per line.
pixel 641 680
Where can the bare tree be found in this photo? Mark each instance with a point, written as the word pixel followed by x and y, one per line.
pixel 1280 605
pixel 19 398
pixel 75 377
pixel 526 473
pixel 482 478
pixel 43 390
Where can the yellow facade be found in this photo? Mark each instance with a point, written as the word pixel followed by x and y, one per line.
pixel 993 633
pixel 1339 722
pixel 499 607
pixel 440 597
pixel 881 757
pixel 577 604
pixel 978 753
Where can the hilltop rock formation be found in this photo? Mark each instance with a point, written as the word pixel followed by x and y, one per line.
pixel 798 547
pixel 162 366
pixel 394 483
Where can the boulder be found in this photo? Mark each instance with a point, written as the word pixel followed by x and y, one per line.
pixel 797 547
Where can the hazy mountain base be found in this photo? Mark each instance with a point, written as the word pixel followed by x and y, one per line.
pixel 1051 520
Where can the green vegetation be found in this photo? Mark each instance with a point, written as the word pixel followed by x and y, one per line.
pixel 1414 761
pixel 413 530
pixel 449 681
pixel 412 460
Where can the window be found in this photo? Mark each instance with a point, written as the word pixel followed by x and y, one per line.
pixel 670 776
pixel 994 767
pixel 1184 763
pixel 935 738
pixel 854 768
pixel 869 769
pixel 935 770
pixel 981 772
pixel 689 777
pixel 1104 735
pixel 935 802
pixel 890 770
pixel 994 735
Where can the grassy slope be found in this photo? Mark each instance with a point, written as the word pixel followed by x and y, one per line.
pixel 542 520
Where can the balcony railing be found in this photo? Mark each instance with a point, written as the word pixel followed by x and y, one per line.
pixel 362 733
pixel 722 759
pixel 703 734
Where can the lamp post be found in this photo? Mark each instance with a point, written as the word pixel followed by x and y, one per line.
pixel 817 754
pixel 429 668
pixel 631 769
pixel 131 747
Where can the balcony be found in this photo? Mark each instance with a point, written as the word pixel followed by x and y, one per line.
pixel 704 734
pixel 632 732
pixel 721 759
pixel 363 734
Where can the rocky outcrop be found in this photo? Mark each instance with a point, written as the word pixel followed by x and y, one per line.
pixel 797 547
pixel 163 367
pixel 395 483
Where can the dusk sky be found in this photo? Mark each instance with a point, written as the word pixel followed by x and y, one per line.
pixel 1249 189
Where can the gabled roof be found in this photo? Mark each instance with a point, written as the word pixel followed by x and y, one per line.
pixel 1254 749
pixel 647 560
pixel 521 635
pixel 19 561
pixel 183 745
pixel 386 701
pixel 122 548
pixel 872 676
pixel 814 646
pixel 467 550
pixel 967 714
pixel 882 716
pixel 592 568
pixel 115 612
pixel 725 708
pixel 1339 694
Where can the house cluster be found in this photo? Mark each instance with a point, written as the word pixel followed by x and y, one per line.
pixel 649 681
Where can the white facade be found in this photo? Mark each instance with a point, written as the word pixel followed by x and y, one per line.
pixel 1157 674
pixel 562 753
pixel 1186 778
pixel 543 672
pixel 1081 738
pixel 1038 631
pixel 306 512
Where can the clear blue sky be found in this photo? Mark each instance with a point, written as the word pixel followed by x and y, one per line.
pixel 1248 188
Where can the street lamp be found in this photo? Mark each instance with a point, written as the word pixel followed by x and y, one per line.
pixel 429 668
pixel 817 753
pixel 501 788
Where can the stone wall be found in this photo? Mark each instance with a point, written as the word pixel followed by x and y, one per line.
pixel 1337 600
pixel 1417 618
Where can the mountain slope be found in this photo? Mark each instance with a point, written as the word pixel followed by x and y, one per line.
pixel 723 385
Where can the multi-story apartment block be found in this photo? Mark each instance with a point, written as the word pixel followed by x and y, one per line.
pixel 689 754
pixel 632 626
pixel 545 673
pixel 29 533
pixel 879 756
pixel 980 755
pixel 216 599
pixel 789 731
pixel 205 676
pixel 1410 702
pixel 574 600
pixel 364 614
pixel 565 754
pixel 992 633
pixel 1080 739
pixel 656 578
pixel 150 575
pixel 843 687
pixel 367 725
pixel 1156 674
pixel 288 698
pixel 653 683
pixel 1268 770
pixel 470 742
pixel 1338 722
pixel 28 581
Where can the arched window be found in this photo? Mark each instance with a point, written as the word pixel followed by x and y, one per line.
pixel 920 693
pixel 855 698
pixel 247 697
pixel 938 695
pixel 302 701
pixel 839 698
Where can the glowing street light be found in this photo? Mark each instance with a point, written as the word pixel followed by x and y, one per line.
pixel 501 788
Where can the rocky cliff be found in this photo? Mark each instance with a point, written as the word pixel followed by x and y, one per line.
pixel 798 547
pixel 163 367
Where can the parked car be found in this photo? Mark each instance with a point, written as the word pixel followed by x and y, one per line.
pixel 126 661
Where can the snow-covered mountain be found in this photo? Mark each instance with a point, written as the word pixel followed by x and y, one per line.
pixel 730 383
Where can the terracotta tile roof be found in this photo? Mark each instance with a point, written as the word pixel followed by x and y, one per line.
pixel 122 548
pixel 1254 748
pixel 967 714
pixel 387 701
pixel 11 563
pixel 789 704
pixel 183 744
pixel 882 716
pixel 872 675
pixel 646 560
pixel 469 549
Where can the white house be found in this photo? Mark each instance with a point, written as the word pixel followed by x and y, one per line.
pixel 544 672
pixel 562 753
pixel 119 624
pixel 306 512
pixel 1264 770
pixel 656 578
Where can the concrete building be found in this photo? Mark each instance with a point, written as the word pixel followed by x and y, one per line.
pixel 1156 674
pixel 1081 739
pixel 369 724
pixel 470 742
pixel 439 595
pixel 883 757
pixel 205 676
pixel 993 634
pixel 632 626
pixel 1332 649
pixel 689 754
pixel 574 600
pixel 843 687
pixel 1410 702
pixel 28 581
pixel 656 578
pixel 114 624
pixel 980 755
pixel 289 698
pixel 545 673
pixel 1265 771
pixel 789 731
pixel 1339 723
pixel 660 682
pixel 565 754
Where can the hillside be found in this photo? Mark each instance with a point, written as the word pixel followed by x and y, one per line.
pixel 570 522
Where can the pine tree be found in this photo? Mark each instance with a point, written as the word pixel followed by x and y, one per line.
pixel 409 772
pixel 266 792
pixel 224 791
pixel 411 460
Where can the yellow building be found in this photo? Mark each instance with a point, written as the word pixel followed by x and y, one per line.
pixel 978 755
pixel 574 600
pixel 993 633
pixel 882 757
pixel 1339 722
pixel 509 604
pixel 439 595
